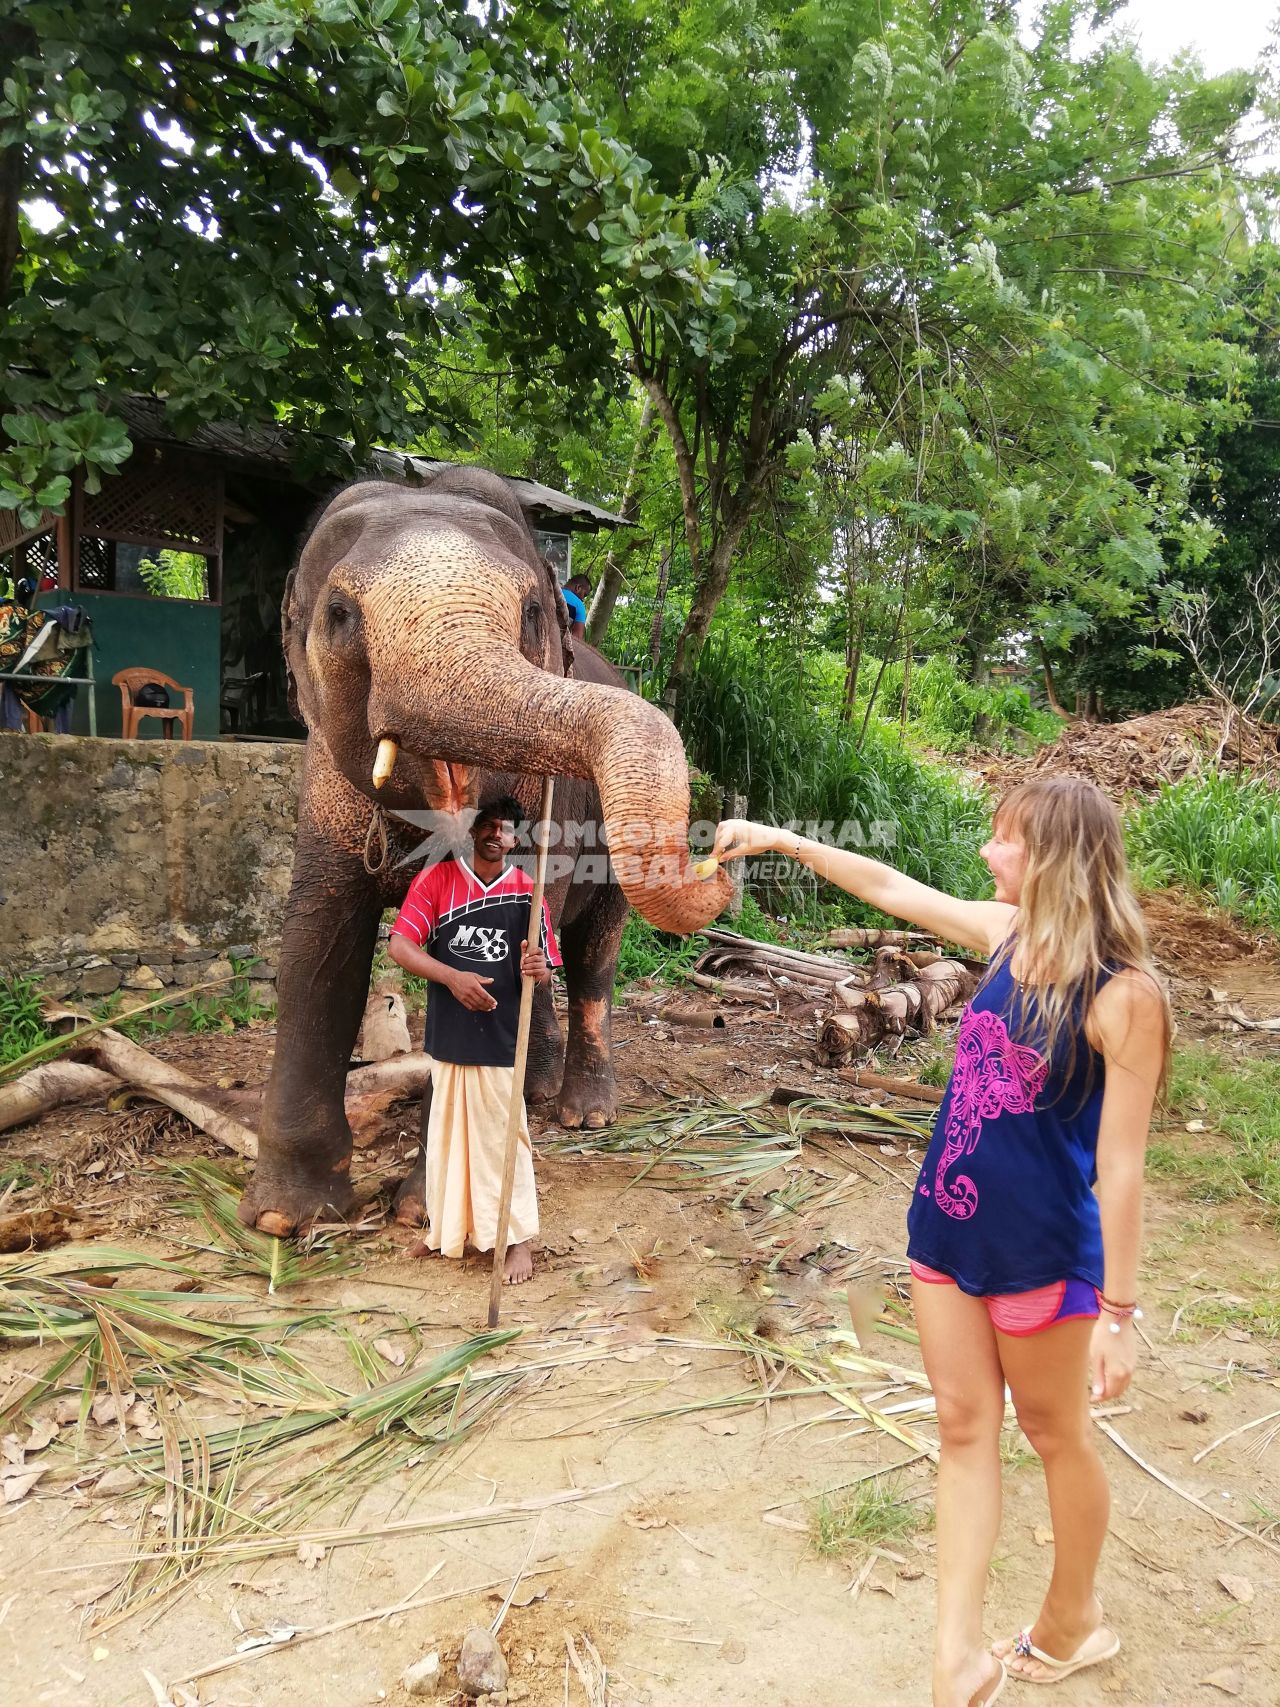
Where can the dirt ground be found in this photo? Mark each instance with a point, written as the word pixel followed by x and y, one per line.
pixel 682 1560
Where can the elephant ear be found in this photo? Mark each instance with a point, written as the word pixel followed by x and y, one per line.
pixel 289 619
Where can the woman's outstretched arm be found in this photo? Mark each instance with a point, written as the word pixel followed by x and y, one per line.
pixel 980 925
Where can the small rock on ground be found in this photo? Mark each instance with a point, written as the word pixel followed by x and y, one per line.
pixel 481 1667
pixel 423 1676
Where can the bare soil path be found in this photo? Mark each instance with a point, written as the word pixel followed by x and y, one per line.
pixel 683 1561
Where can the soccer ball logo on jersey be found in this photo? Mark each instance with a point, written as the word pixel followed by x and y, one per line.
pixel 483 943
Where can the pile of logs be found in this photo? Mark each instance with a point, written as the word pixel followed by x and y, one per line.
pixel 905 996
pixel 903 993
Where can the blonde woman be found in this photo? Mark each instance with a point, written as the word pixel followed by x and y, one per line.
pixel 1026 1221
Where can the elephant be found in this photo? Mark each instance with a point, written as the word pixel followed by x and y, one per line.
pixel 423 632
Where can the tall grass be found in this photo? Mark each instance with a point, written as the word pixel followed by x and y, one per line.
pixel 948 713
pixel 1239 1104
pixel 762 735
pixel 1217 834
pixel 22 1024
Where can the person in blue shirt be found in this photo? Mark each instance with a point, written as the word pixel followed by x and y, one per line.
pixel 577 590
pixel 1025 1227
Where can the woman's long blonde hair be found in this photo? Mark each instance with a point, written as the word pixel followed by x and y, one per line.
pixel 1077 914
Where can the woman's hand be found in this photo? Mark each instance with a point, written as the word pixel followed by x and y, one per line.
pixel 738 838
pixel 1112 1357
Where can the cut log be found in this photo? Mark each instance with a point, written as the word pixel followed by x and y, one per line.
pixel 733 990
pixel 106 1063
pixel 112 1052
pixel 52 1085
pixel 906 1009
pixel 869 1081
pixel 407 1075
pixel 854 937
pixel 372 1092
pixel 384 1031
pixel 750 952
pixel 705 1019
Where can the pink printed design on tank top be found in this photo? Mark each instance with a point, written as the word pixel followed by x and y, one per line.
pixel 993 1075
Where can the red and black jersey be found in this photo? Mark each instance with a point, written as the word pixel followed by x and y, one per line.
pixel 475 927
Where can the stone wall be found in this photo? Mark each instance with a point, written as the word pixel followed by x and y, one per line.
pixel 137 864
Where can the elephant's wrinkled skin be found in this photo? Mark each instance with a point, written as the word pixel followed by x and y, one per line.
pixel 426 615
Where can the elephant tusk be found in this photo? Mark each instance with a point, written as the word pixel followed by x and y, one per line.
pixel 385 762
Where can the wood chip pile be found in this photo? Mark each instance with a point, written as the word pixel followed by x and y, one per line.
pixel 1143 753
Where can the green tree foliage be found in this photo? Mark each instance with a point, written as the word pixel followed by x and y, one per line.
pixel 994 269
pixel 279 207
pixel 175 575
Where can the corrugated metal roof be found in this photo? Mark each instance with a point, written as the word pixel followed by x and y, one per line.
pixel 276 450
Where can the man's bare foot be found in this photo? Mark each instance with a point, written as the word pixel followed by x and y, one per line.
pixel 519 1266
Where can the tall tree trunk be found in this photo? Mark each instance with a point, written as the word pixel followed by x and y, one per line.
pixel 1050 687
pixel 904 621
pixel 706 597
pixel 659 609
pixel 976 642
pixel 853 633
pixel 15 39
pixel 875 686
pixel 612 578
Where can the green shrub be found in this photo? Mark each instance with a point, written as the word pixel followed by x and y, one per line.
pixel 650 953
pixel 761 735
pixel 1217 834
pixel 22 1025
pixel 945 711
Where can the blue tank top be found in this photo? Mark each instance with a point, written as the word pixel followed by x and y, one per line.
pixel 1004 1201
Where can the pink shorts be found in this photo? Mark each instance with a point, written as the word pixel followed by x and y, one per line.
pixel 1022 1313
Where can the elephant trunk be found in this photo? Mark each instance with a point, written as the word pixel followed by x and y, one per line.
pixel 470 697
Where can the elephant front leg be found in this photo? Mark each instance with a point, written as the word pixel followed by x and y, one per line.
pixel 545 1068
pixel 303 1172
pixel 588 1095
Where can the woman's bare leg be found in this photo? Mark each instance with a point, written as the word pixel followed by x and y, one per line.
pixel 1048 1375
pixel 963 1366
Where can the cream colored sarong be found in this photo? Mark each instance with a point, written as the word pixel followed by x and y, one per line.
pixel 465 1135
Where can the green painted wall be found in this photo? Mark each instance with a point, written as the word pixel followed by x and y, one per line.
pixel 174 635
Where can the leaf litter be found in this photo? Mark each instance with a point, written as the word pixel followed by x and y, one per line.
pixel 148 1357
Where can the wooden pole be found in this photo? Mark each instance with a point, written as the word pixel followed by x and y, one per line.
pixel 522 1055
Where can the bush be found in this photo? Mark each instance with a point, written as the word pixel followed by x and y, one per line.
pixel 1218 834
pixel 650 953
pixel 944 711
pixel 761 735
pixel 22 1024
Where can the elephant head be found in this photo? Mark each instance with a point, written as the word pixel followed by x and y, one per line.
pixel 425 616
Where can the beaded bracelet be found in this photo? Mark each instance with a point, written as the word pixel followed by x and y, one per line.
pixel 1122 1312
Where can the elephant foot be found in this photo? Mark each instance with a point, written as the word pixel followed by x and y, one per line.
pixel 588 1100
pixel 288 1202
pixel 410 1206
pixel 541 1083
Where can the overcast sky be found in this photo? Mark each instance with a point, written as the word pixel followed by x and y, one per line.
pixel 1225 33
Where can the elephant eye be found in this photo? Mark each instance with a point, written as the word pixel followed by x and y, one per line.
pixel 340 616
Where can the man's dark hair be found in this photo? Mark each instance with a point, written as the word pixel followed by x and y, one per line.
pixel 579 584
pixel 499 807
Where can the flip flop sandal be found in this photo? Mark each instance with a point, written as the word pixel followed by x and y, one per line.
pixel 1102 1645
pixel 990 1700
